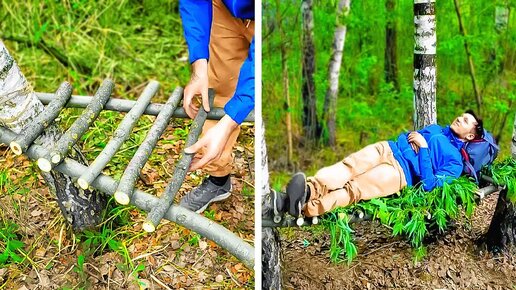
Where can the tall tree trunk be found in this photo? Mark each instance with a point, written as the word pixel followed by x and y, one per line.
pixel 286 92
pixel 18 107
pixel 391 59
pixel 425 112
pixel 271 249
pixel 471 65
pixel 310 122
pixel 330 101
pixel 502 230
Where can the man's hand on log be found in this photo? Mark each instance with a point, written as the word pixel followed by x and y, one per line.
pixel 213 141
pixel 198 85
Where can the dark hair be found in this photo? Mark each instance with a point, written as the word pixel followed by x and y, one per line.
pixel 479 127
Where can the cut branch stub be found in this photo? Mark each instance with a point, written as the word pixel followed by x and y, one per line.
pixel 44 119
pixel 166 200
pixel 121 134
pixel 125 188
pixel 78 128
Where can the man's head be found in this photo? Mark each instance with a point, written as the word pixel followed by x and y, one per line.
pixel 467 126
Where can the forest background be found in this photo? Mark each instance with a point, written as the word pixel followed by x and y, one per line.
pixel 369 108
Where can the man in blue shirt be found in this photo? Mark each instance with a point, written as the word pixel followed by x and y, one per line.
pixel 430 156
pixel 220 38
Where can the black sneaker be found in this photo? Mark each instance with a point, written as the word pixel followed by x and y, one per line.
pixel 297 194
pixel 203 195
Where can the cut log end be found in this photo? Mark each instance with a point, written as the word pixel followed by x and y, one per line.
pixel 148 226
pixel 44 165
pixel 56 158
pixel 83 183
pixel 16 148
pixel 121 198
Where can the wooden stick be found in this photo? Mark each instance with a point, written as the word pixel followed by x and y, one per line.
pixel 78 128
pixel 121 134
pixel 166 200
pixel 45 118
pixel 125 189
pixel 121 105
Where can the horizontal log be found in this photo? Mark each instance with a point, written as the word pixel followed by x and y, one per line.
pixel 121 134
pixel 122 105
pixel 182 216
pixel 182 166
pixel 355 217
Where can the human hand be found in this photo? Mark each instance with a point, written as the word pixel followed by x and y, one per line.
pixel 198 85
pixel 417 141
pixel 214 141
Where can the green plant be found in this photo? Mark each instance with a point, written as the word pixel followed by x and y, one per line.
pixel 10 243
pixel 410 213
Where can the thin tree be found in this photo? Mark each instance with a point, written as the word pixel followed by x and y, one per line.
pixel 471 65
pixel 286 92
pixel 330 101
pixel 391 57
pixel 19 106
pixel 425 112
pixel 271 249
pixel 502 230
pixel 310 121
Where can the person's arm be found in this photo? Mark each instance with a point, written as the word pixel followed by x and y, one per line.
pixel 242 102
pixel 196 16
pixel 448 166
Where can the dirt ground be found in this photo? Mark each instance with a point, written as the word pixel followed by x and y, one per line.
pixel 453 261
pixel 170 258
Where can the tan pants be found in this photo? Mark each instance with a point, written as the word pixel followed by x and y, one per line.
pixel 229 47
pixel 369 173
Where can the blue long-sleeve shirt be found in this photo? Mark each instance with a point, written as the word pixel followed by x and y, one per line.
pixel 197 18
pixel 440 162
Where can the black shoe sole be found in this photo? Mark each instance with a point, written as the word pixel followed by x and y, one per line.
pixel 296 191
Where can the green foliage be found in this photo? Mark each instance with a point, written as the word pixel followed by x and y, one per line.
pixel 504 173
pixel 10 244
pixel 409 213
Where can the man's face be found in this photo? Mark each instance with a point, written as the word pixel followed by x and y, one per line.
pixel 464 126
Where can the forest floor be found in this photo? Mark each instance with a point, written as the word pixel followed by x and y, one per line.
pixel 118 254
pixel 454 259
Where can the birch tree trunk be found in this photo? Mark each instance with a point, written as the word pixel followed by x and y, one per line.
pixel 310 122
pixel 286 92
pixel 18 107
pixel 502 230
pixel 330 101
pixel 271 249
pixel 391 57
pixel 425 112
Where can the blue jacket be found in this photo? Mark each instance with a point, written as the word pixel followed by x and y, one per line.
pixel 197 17
pixel 440 162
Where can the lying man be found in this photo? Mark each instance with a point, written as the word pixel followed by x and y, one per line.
pixel 430 156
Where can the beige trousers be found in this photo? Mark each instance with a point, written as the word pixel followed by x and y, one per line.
pixel 369 173
pixel 229 46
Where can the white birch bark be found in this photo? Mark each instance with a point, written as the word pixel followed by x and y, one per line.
pixel 330 102
pixel 425 80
